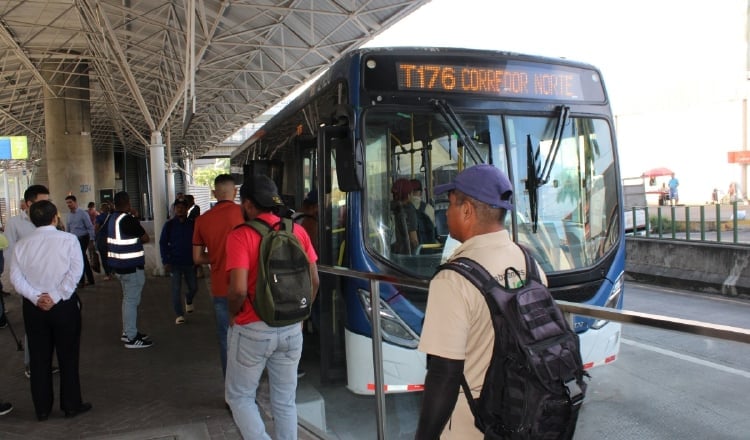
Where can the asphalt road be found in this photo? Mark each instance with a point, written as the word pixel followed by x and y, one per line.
pixel 669 385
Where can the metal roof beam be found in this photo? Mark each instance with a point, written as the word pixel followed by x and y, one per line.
pixel 123 64
pixel 179 93
pixel 7 36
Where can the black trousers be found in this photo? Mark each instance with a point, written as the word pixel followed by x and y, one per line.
pixel 58 329
pixel 87 272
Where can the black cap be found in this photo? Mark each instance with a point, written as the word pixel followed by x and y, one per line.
pixel 262 191
pixel 181 202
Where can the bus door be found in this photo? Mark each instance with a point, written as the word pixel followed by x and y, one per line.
pixel 332 252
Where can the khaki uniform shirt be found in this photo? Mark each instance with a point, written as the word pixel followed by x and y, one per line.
pixel 457 321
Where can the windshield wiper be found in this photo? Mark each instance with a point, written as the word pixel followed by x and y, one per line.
pixel 537 176
pixel 562 119
pixel 532 181
pixel 463 136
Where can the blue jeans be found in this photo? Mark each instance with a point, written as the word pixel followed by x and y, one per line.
pixel 176 274
pixel 221 309
pixel 253 348
pixel 132 286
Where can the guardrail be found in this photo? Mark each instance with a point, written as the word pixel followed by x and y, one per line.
pixel 724 332
pixel 711 223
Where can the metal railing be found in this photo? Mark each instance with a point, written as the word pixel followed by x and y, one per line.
pixel 721 223
pixel 724 332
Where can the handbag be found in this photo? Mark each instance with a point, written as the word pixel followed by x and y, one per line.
pixel 96 265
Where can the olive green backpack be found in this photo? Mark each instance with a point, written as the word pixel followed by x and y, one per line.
pixel 283 292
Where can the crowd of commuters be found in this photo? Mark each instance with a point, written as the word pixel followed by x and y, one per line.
pixel 479 199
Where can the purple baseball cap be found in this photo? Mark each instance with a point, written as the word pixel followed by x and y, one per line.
pixel 482 182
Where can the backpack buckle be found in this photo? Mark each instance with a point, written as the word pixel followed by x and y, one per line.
pixel 574 392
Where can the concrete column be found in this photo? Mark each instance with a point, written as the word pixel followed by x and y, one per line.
pixel 170 171
pixel 67 124
pixel 158 192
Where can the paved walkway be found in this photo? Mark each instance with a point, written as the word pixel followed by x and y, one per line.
pixel 172 390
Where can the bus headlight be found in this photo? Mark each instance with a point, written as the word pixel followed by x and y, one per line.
pixel 392 327
pixel 614 298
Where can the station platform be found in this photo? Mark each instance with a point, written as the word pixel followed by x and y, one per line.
pixel 172 390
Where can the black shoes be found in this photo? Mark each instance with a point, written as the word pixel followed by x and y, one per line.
pixel 84 407
pixel 69 414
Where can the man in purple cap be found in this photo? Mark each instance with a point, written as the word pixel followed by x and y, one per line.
pixel 457 334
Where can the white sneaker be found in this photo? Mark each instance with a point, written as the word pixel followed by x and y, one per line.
pixel 189 308
pixel 179 320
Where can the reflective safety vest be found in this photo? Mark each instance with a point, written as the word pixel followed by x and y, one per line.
pixel 123 253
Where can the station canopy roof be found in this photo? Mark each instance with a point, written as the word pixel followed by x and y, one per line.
pixel 148 61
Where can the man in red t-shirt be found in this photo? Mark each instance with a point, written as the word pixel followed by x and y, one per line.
pixel 255 345
pixel 209 243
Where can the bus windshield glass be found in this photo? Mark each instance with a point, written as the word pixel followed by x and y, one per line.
pixel 408 153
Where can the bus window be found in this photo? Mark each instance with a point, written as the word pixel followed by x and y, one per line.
pixel 575 209
pixel 406 156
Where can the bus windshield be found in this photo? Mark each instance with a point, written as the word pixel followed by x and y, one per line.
pixel 408 153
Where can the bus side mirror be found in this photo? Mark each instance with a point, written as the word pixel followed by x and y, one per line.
pixel 349 163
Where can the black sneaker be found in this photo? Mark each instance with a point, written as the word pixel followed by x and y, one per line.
pixel 5 408
pixel 124 337
pixel 139 343
pixel 3 321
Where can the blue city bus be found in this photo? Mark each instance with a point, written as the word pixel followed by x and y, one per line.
pixel 380 118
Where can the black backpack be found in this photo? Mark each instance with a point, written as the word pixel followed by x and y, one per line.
pixel 283 293
pixel 534 385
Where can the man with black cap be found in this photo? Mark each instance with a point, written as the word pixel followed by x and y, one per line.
pixel 176 249
pixel 457 335
pixel 253 344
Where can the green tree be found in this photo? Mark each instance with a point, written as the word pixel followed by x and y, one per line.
pixel 206 175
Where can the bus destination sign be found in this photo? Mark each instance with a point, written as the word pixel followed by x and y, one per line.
pixel 515 79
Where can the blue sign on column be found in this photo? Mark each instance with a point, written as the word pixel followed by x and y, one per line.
pixel 5 148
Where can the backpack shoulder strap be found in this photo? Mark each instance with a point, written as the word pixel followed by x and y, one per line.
pixel 261 226
pixel 472 271
pixel 285 224
pixel 532 273
pixel 484 282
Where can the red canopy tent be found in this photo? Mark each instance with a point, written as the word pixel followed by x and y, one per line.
pixel 656 172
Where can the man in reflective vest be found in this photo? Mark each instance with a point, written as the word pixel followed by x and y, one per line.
pixel 125 238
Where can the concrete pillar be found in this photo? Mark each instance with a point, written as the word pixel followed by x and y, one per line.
pixel 158 192
pixel 67 125
pixel 170 171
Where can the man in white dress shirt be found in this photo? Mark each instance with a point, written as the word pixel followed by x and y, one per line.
pixel 46 267
pixel 20 226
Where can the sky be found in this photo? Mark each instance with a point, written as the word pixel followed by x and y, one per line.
pixel 675 70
